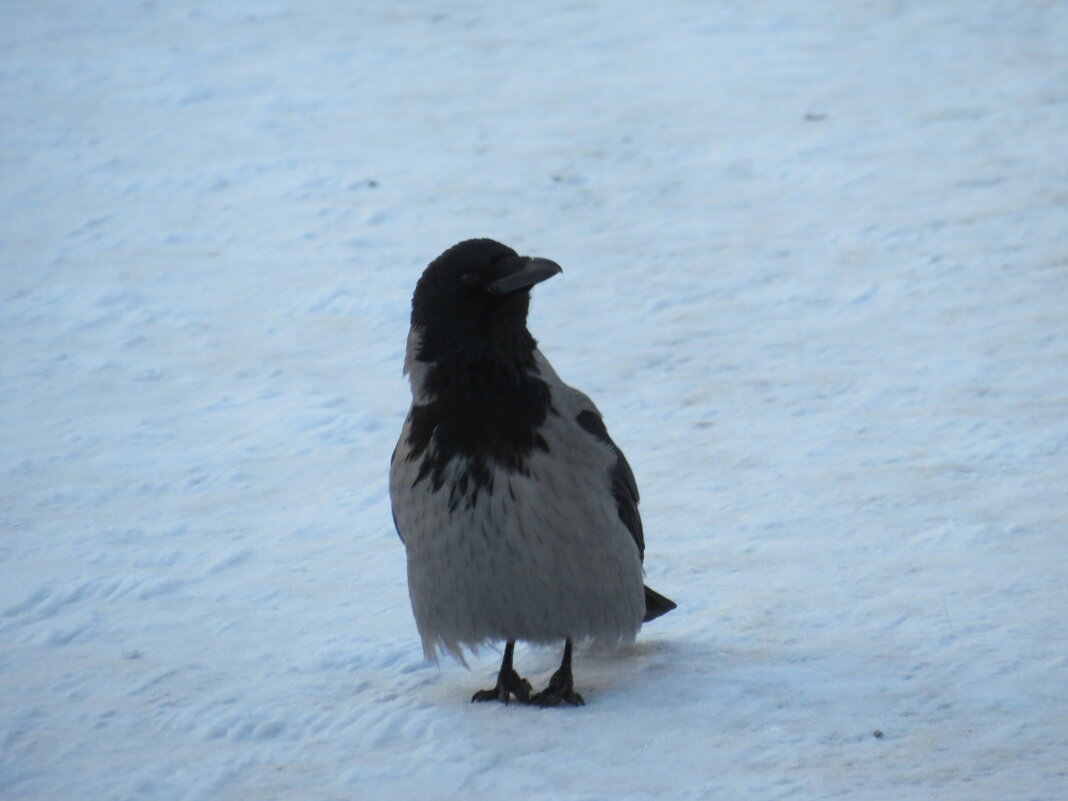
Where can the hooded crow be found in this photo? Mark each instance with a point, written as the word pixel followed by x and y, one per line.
pixel 518 512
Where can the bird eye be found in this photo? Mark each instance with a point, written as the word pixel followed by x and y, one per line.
pixel 471 279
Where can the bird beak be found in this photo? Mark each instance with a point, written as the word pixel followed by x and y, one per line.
pixel 522 272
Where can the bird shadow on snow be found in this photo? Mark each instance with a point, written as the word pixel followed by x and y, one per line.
pixel 601 672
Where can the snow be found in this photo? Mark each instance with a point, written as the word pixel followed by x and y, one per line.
pixel 814 276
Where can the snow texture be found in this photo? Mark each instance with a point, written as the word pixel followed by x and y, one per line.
pixel 815 276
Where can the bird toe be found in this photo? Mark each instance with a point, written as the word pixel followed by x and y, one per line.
pixel 549 697
pixel 508 685
pixel 561 690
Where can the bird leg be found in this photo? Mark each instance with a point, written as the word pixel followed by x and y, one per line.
pixel 561 686
pixel 509 682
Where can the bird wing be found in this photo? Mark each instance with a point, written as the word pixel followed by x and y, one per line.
pixel 396 487
pixel 585 413
pixel 624 486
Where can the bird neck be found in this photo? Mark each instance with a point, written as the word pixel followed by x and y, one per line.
pixel 487 412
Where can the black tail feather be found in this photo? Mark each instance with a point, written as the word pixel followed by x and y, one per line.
pixel 656 605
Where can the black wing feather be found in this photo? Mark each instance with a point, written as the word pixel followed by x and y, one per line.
pixel 625 492
pixel 624 487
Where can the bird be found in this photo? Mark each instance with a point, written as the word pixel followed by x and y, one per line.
pixel 517 511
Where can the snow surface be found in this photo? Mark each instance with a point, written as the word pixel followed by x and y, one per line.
pixel 815 275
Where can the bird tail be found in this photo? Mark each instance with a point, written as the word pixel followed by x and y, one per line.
pixel 656 605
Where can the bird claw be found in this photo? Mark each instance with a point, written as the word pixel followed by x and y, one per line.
pixel 508 684
pixel 560 690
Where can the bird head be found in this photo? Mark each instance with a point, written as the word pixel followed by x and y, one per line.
pixel 473 299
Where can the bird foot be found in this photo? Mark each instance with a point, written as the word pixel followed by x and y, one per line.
pixel 509 683
pixel 561 689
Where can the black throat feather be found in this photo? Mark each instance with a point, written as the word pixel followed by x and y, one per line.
pixel 486 408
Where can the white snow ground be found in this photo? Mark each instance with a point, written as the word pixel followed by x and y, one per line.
pixel 816 272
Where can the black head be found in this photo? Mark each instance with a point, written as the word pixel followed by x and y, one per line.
pixel 472 301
